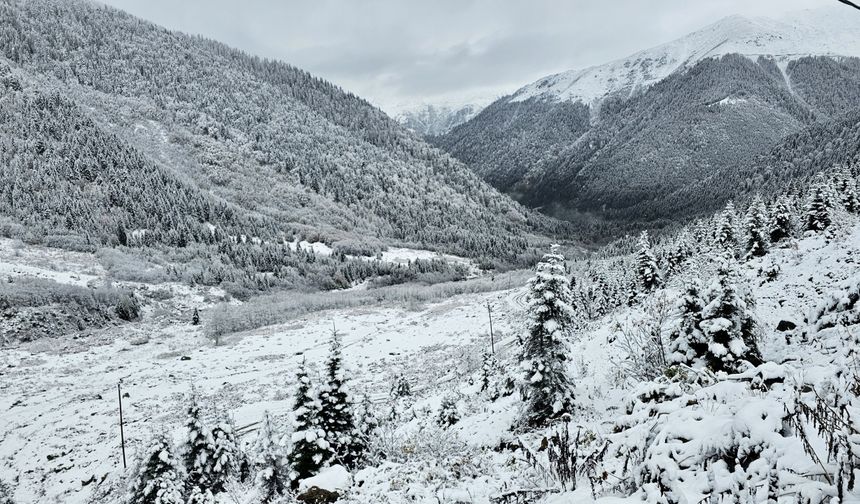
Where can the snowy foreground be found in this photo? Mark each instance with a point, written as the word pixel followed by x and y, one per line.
pixel 59 434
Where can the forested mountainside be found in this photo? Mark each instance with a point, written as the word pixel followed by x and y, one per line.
pixel 645 149
pixel 266 145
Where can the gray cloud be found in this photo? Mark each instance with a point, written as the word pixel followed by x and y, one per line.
pixel 395 52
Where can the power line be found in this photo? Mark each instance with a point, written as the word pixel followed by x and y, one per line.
pixel 850 3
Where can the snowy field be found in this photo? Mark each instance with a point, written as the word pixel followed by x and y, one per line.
pixel 59 435
pixel 59 432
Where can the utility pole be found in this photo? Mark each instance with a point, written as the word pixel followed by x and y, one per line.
pixel 121 433
pixel 492 339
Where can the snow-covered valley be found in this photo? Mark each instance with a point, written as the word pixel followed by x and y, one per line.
pixel 60 435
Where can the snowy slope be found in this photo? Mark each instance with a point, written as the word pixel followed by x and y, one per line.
pixel 438 119
pixel 58 430
pixel 816 32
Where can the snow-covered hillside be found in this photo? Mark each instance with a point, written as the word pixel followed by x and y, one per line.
pixel 825 31
pixel 438 119
pixel 60 437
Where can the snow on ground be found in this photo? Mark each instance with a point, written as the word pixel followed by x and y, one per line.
pixel 59 431
pixel 58 400
pixel 318 248
pixel 73 268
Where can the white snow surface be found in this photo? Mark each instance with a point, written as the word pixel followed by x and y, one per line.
pixel 332 478
pixel 59 437
pixel 824 31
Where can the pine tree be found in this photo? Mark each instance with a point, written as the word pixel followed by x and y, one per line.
pixel 309 448
pixel 449 414
pixel 547 389
pixel 728 323
pixel 225 456
pixel 755 225
pixel 845 186
pixel 818 209
pixel 199 448
pixel 200 496
pixel 336 416
pixel 646 269
pixel 5 493
pixel 679 253
pixel 726 236
pixel 488 370
pixel 401 387
pixel 780 220
pixel 271 472
pixel 367 424
pixel 687 343
pixel 195 317
pixel 157 479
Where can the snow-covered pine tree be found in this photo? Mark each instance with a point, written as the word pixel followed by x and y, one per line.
pixel 199 448
pixel 818 209
pixel 449 414
pixel 157 478
pixel 5 493
pixel 726 234
pixel 687 344
pixel 271 471
pixel 679 253
pixel 366 425
pixel 336 415
pixel 401 387
pixel 488 370
pixel 845 187
pixel 547 388
pixel 646 265
pixel 201 496
pixel 780 220
pixel 225 456
pixel 309 448
pixel 755 227
pixel 728 323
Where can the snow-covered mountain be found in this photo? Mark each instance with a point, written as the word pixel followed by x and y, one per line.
pixel 672 131
pixel 438 119
pixel 825 31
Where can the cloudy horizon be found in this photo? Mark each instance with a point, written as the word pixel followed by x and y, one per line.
pixel 399 54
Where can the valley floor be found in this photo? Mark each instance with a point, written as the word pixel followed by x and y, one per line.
pixel 59 435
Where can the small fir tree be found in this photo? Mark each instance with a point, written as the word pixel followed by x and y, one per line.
pixel 158 477
pixel 401 387
pixel 488 370
pixel 755 224
pixel 201 496
pixel 309 448
pixel 5 493
pixel 449 414
pixel 726 234
pixel 336 415
pixel 199 448
pixel 818 209
pixel 271 471
pixel 225 456
pixel 687 343
pixel 547 388
pixel 646 268
pixel 780 220
pixel 845 187
pixel 728 323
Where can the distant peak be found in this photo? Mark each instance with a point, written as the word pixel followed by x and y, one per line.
pixel 821 31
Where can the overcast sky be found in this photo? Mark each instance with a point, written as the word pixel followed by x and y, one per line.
pixel 396 53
